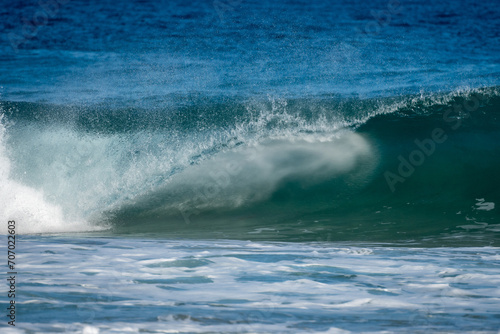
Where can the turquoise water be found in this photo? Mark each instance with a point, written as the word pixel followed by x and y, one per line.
pixel 416 168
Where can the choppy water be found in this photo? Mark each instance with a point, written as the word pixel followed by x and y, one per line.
pixel 122 285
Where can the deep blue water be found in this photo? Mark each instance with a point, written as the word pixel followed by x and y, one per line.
pixel 243 166
pixel 154 52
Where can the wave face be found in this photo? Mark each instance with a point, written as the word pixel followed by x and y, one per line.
pixel 385 169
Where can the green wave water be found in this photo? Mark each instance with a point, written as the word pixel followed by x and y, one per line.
pixel 410 168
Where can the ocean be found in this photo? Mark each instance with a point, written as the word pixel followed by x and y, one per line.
pixel 236 166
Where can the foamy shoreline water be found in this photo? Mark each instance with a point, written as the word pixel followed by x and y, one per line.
pixel 130 285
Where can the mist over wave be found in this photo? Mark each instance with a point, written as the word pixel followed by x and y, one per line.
pixel 247 175
pixel 302 165
pixel 29 205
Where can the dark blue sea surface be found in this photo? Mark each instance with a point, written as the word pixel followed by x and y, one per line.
pixel 156 52
pixel 312 146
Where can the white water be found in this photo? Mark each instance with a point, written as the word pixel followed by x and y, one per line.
pixel 27 205
pixel 111 285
